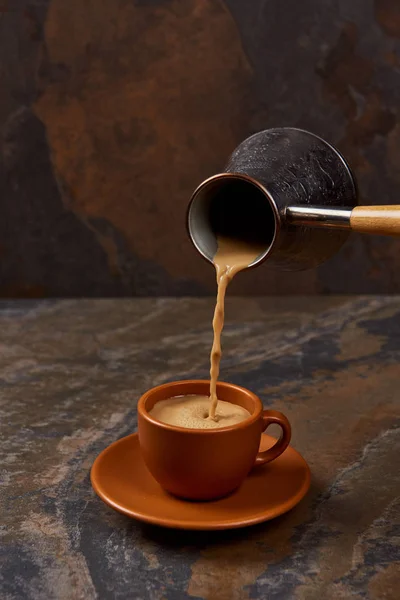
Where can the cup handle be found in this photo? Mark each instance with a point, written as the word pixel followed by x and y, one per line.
pixel 268 418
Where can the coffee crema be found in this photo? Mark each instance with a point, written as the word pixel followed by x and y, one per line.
pixel 231 257
pixel 191 411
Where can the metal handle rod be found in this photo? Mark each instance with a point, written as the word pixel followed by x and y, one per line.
pixel 318 216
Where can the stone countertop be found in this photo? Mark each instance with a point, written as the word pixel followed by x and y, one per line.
pixel 70 375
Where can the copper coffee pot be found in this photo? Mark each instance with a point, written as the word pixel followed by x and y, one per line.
pixel 290 191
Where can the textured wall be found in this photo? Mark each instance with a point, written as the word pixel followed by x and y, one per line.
pixel 112 112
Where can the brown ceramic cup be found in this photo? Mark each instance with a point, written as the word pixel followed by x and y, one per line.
pixel 205 464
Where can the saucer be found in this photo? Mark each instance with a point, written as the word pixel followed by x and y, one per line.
pixel 122 480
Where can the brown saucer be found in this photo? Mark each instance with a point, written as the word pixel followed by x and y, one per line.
pixel 121 479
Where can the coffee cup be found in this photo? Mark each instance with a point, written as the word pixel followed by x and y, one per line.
pixel 206 464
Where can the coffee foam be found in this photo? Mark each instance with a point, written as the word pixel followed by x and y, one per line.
pixel 191 412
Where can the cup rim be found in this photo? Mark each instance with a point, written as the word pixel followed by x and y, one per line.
pixel 141 407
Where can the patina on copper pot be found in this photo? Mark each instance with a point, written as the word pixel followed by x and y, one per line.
pixel 290 191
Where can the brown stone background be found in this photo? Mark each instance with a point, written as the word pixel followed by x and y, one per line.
pixel 112 112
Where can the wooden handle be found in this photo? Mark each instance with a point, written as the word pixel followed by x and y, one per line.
pixel 381 220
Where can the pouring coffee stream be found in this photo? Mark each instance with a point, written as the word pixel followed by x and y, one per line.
pixel 287 193
pixel 231 257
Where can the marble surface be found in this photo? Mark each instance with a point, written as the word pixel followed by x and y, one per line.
pixel 70 375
